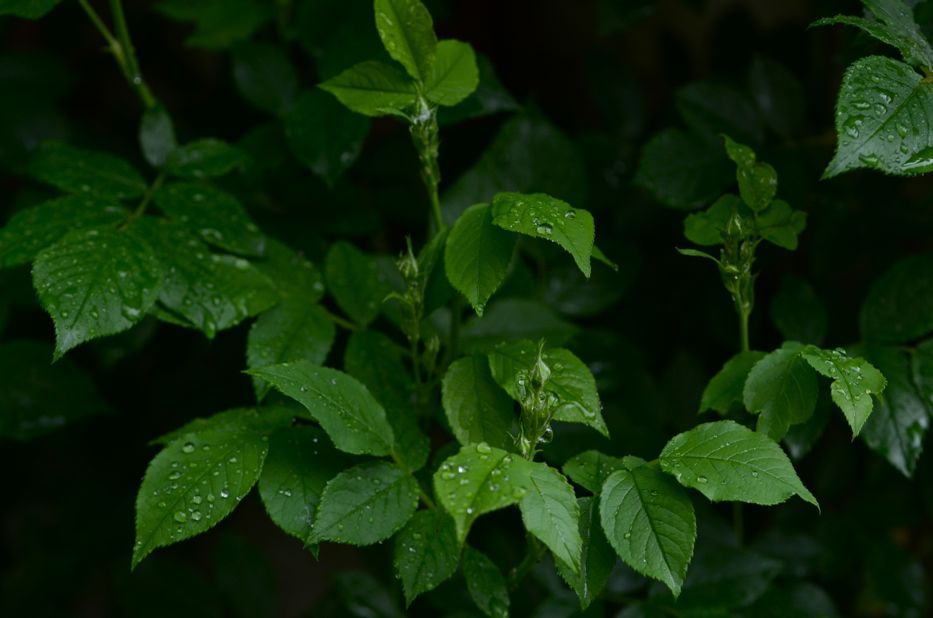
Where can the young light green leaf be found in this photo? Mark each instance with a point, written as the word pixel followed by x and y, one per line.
pixel 798 313
pixel 95 283
pixel 649 521
pixel 454 76
pixel 590 469
pixel 542 216
pixel 293 330
pixel 896 430
pixel 264 76
pixel 407 31
pixel 85 172
pixel 325 135
pixel 550 511
pixel 211 292
pixel 782 389
pixel 855 381
pixel 346 410
pixel 757 181
pixel 486 584
pixel 597 559
pixel 195 482
pixel 426 552
pixel 214 215
pixel 38 397
pixel 355 282
pixel 880 119
pixel 376 361
pixel 571 381
pixel 779 224
pixel 894 25
pixel 300 462
pixel 477 409
pixel 705 228
pixel 156 136
pixel 31 230
pixel 477 255
pixel 696 253
pixel 373 89
pixel 899 305
pixel 682 170
pixel 726 387
pixel 365 504
pixel 477 480
pixel 727 461
pixel 203 158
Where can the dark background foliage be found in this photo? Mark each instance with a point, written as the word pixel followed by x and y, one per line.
pixel 605 75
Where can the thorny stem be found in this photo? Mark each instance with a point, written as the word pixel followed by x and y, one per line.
pixel 426 137
pixel 121 47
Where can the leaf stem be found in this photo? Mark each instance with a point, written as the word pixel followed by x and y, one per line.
pixel 144 203
pixel 532 556
pixel 342 322
pixel 121 46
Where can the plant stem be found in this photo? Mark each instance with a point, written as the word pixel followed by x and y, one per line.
pixel 743 327
pixel 532 556
pixel 121 47
pixel 144 203
pixel 426 137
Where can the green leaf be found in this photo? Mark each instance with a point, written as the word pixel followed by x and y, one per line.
pixel 550 511
pixel 407 31
pixel 293 330
pixel 757 181
pixel 85 172
pixel 879 122
pixel 597 559
pixel 156 136
pixel 203 158
pixel 571 381
pixel 31 230
pixel 486 584
pixel 477 480
pixel 542 216
pixel 798 313
pixel 527 154
pixel 682 170
pixel 649 521
pixel 95 283
pixel 477 409
pixel 712 108
pixel 292 274
pixel 454 76
pixel 779 224
pixel 705 228
pixel 590 469
pixel 896 430
pixel 325 135
pixel 477 255
pixel 365 504
pixel 426 552
pixel 195 482
pixel 262 420
pixel 352 418
pixel 726 387
pixel 264 76
pixel 212 292
pixel 899 305
pixel 37 397
pixel 27 9
pixel 894 25
pixel 218 23
pixel 489 97
pixel 300 462
pixel 376 361
pixel 855 381
pixel 212 214
pixel 354 280
pixel 782 389
pixel 373 89
pixel 779 95
pixel 726 461
pixel 513 319
pixel 696 253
